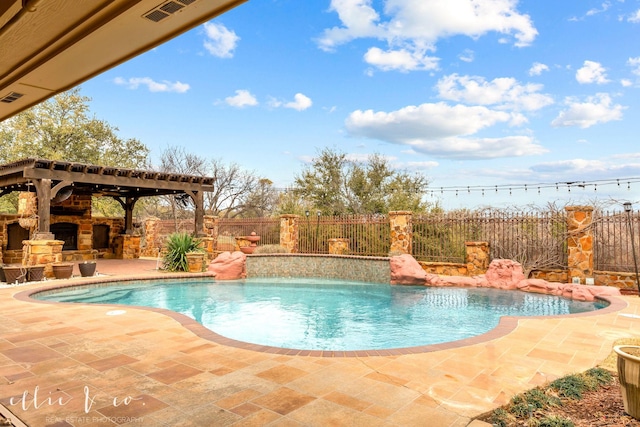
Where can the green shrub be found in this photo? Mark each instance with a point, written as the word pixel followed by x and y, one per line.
pixel 599 377
pixel 571 386
pixel 501 418
pixel 178 245
pixel 271 249
pixel 555 421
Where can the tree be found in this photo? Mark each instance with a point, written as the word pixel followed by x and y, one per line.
pixel 62 128
pixel 236 192
pixel 262 201
pixel 336 185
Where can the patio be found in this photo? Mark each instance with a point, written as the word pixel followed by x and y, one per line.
pixel 78 365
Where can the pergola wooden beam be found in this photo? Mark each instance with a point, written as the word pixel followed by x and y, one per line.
pixel 126 185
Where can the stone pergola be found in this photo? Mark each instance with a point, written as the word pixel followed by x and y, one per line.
pixel 55 180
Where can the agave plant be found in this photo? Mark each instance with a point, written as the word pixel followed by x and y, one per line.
pixel 178 246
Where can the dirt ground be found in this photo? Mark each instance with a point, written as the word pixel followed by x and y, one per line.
pixel 603 407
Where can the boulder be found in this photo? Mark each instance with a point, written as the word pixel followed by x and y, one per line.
pixel 504 274
pixel 405 270
pixel 229 266
pixel 460 281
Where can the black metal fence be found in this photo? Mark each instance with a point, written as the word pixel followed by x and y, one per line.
pixel 368 235
pixel 229 228
pixel 613 250
pixel 535 239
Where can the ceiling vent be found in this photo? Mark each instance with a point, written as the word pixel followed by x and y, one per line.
pixel 12 96
pixel 166 9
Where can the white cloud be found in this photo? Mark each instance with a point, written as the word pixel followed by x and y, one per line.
pixel 401 60
pixel 604 7
pixel 591 72
pixel 635 17
pixel 442 130
pixel 422 165
pixel 242 98
pixel 220 41
pixel 573 165
pixel 300 102
pixel 537 68
pixel 635 64
pixel 626 82
pixel 595 110
pixel 411 28
pixel 505 92
pixel 152 85
pixel 467 55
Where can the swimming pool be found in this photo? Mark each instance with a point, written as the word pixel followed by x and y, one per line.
pixel 314 314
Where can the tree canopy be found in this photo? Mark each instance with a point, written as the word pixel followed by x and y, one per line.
pixel 62 128
pixel 335 185
pixel 237 192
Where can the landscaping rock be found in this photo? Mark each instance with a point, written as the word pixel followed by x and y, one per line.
pixel 229 266
pixel 405 270
pixel 504 274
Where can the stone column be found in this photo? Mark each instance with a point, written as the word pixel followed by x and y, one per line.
pixel 477 257
pixel 401 225
pixel 580 242
pixel 152 237
pixel 212 228
pixel 127 246
pixel 338 246
pixel 42 252
pixel 289 232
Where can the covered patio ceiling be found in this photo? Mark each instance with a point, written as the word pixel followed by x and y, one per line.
pixel 49 46
pixel 53 178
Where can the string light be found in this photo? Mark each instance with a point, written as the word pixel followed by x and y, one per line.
pixel 514 188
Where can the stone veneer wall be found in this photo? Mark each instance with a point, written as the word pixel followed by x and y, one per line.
pixel 401 224
pixel 289 232
pixel 356 268
pixel 580 241
pixel 338 246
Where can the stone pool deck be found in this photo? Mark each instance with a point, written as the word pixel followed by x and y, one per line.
pixel 81 365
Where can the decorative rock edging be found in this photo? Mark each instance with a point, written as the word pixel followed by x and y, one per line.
pixel 502 274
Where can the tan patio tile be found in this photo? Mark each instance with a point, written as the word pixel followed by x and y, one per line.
pixel 418 415
pixel 237 398
pixel 282 374
pixel 283 400
pixel 347 400
pixel 387 378
pixel 387 395
pixel 324 413
pixel 258 419
pixel 379 411
pixel 111 362
pixel 32 353
pixel 174 374
pixel 245 409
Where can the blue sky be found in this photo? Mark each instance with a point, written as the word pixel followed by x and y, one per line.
pixel 478 93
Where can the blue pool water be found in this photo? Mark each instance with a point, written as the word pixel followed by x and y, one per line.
pixel 311 314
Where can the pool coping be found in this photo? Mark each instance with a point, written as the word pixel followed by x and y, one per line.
pixel 506 324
